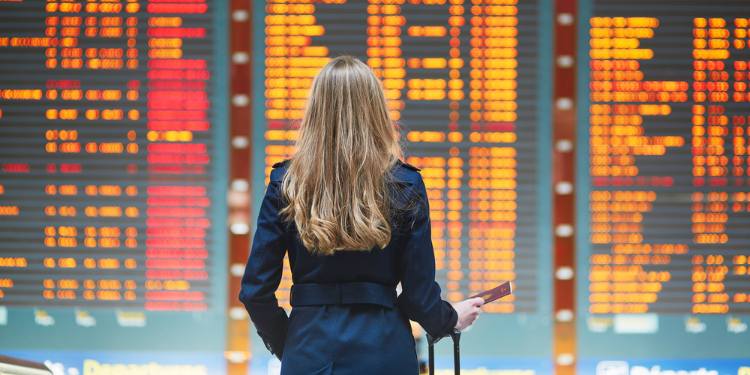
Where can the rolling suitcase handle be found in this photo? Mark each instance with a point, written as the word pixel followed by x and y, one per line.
pixel 493 294
pixel 456 336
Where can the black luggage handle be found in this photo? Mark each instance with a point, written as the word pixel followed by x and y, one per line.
pixel 456 336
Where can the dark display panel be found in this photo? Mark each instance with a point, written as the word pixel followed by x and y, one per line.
pixel 112 187
pixel 663 176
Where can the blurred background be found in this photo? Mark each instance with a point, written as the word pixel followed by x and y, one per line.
pixel 593 152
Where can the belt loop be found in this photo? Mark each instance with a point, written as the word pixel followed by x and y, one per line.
pixel 339 297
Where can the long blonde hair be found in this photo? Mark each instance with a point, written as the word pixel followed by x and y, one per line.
pixel 336 185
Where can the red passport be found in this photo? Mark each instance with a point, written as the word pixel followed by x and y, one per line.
pixel 496 293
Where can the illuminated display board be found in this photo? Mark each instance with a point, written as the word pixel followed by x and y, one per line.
pixel 663 180
pixel 112 188
pixel 466 81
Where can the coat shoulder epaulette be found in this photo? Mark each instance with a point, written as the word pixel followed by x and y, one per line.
pixel 409 166
pixel 282 163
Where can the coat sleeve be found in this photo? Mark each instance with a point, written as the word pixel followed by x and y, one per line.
pixel 420 295
pixel 263 274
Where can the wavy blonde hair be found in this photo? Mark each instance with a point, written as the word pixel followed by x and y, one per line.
pixel 336 185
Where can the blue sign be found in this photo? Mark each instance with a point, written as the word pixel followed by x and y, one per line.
pixel 703 366
pixel 125 363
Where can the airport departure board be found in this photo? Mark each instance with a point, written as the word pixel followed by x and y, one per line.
pixel 465 81
pixel 460 79
pixel 112 187
pixel 663 209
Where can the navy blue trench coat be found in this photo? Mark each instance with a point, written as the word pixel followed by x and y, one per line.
pixel 363 332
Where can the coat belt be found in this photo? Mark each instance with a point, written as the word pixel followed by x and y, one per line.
pixel 342 294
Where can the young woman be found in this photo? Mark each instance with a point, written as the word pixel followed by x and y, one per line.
pixel 355 222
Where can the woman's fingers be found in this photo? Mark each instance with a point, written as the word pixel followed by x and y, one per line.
pixel 478 301
pixel 468 312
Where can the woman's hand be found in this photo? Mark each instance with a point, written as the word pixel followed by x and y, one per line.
pixel 468 311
